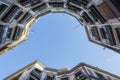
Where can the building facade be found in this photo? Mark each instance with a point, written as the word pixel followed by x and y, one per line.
pixel 83 71
pixel 103 25
pixel 99 17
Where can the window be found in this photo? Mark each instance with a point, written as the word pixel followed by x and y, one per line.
pixel 9 32
pixel 91 73
pixel 13 33
pixel 39 7
pixel 95 33
pixel 100 76
pixel 17 33
pixel 96 14
pixel 49 78
pixel 24 2
pixel 66 78
pixel 25 18
pixel 2 8
pixel 34 2
pixel 18 15
pixel 103 33
pixel 36 73
pixel 87 18
pixel 108 35
pixel 116 3
pixel 57 4
pixel 29 2
pixel 56 0
pixel 118 33
pixel 31 78
pixel 3 33
pixel 80 2
pixel 74 8
pixel 93 15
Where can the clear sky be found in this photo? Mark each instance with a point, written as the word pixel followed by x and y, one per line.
pixel 58 41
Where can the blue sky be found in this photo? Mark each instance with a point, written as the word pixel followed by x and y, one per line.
pixel 58 41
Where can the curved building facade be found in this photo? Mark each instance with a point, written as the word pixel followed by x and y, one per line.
pixel 83 71
pixel 99 17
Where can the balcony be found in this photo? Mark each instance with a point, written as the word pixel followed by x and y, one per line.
pixel 10 14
